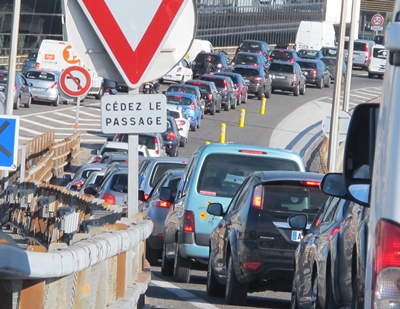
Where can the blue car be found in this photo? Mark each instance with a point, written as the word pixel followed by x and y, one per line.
pixel 188 102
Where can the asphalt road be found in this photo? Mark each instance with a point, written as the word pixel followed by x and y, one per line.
pixel 281 109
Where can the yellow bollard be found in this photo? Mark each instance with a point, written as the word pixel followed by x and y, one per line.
pixel 222 133
pixel 263 104
pixel 241 119
pixel 207 142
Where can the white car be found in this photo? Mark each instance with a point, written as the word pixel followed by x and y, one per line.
pixel 183 124
pixel 180 73
pixel 108 147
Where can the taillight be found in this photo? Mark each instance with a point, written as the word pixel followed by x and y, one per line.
pixel 210 97
pixel 163 204
pixel 97 159
pixel 365 47
pixel 268 58
pixel 37 65
pixel 251 265
pixel 15 87
pixel 156 146
pixel 237 50
pixel 109 198
pixel 107 90
pixel 225 86
pixel 78 185
pixel 188 224
pixel 313 72
pixel 256 79
pixel 334 231
pixel 192 106
pixel 180 122
pixel 310 183
pixel 257 200
pixel 171 135
pixel 260 52
pixel 254 64
pixel 291 60
pixel 146 196
pixel 386 266
pixel 53 86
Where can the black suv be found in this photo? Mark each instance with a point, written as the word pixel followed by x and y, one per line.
pixel 254 46
pixel 316 72
pixel 256 78
pixel 225 87
pixel 252 248
pixel 284 55
pixel 212 98
pixel 219 62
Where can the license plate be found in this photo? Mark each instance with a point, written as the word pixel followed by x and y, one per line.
pixel 305 73
pixel 297 236
pixel 247 81
pixel 37 89
pixel 280 77
pixel 146 86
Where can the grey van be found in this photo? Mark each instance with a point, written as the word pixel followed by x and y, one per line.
pixel 362 53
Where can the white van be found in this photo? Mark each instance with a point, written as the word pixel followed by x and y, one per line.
pixel 58 55
pixel 197 47
pixel 315 35
pixel 378 61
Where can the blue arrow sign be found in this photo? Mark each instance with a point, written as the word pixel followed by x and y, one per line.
pixel 9 131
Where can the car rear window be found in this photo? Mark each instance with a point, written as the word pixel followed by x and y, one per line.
pixel 3 77
pixel 281 55
pixel 32 56
pixel 240 58
pixel 106 149
pixel 181 89
pixel 40 76
pixel 178 100
pixel 358 46
pixel 307 65
pixel 219 82
pixel 246 72
pixel 298 198
pixel 279 67
pixel 251 46
pixel 147 140
pixel 162 167
pixel 222 174
pixel 380 53
pixel 119 182
pixel 307 53
pixel 329 52
pixel 174 114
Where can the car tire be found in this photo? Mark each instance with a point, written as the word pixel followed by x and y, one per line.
pixel 245 98
pixel 28 104
pixel 213 287
pixel 151 255
pixel 239 99
pixel 328 84
pixel 233 106
pixel 193 128
pixel 320 84
pixel 212 110
pixel 370 75
pixel 175 152
pixel 198 123
pixel 315 304
pixel 17 103
pixel 259 94
pixel 303 90
pixel 329 298
pixel 235 292
pixel 100 93
pixel 182 142
pixel 219 109
pixel 161 81
pixel 182 267
pixel 167 266
pixel 226 107
pixel 296 91
pixel 57 101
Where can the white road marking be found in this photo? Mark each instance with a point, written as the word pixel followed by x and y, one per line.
pixel 182 294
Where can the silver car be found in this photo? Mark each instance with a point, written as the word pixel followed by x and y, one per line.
pixel 22 92
pixel 44 86
pixel 75 184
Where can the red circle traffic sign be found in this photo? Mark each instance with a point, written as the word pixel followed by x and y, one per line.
pixel 377 20
pixel 75 81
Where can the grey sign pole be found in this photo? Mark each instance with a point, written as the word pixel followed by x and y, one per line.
pixel 133 159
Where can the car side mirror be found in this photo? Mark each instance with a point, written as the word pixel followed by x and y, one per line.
pixel 90 190
pixel 142 196
pixel 215 209
pixel 298 222
pixel 166 194
pixel 67 177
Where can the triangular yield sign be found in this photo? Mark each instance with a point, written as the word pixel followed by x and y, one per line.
pixel 132 61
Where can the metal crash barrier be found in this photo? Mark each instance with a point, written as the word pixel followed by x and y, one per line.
pixel 61 249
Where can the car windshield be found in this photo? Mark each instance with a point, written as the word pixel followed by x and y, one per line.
pixel 181 89
pixel 329 52
pixel 279 67
pixel 202 57
pixel 240 58
pixel 222 174
pixel 307 65
pixel 251 46
pixel 178 100
pixel 40 76
pixel 246 72
pixel 307 53
pixel 293 198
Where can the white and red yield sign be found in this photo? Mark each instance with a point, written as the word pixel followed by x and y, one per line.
pixel 75 81
pixel 136 32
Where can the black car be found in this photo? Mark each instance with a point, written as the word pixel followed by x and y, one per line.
pixel 254 46
pixel 240 86
pixel 212 98
pixel 256 78
pixel 171 137
pixel 225 87
pixel 252 248
pixel 316 72
pixel 284 55
pixel 253 59
pixel 192 89
pixel 219 63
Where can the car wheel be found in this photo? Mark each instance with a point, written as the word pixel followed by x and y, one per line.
pixel 293 298
pixel 245 98
pixel 296 91
pixel 100 93
pixel 28 104
pixel 182 142
pixel 181 267
pixel 329 299
pixel 320 84
pixel 219 109
pixel 193 128
pixel 239 99
pixel 167 266
pixel 212 110
pixel 235 292
pixel 198 123
pixel 175 153
pixel 233 105
pixel 57 101
pixel 151 255
pixel 328 84
pixel 17 103
pixel 314 293
pixel 227 106
pixel 213 287
pixel 303 90
pixel 370 75
pixel 161 81
pixel 259 94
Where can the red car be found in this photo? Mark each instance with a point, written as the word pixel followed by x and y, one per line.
pixel 240 85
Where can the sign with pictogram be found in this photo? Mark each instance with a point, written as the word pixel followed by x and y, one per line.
pixel 141 41
pixel 75 81
pixel 377 20
pixel 9 132
pixel 70 56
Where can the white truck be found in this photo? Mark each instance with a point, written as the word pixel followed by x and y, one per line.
pixel 315 35
pixel 58 55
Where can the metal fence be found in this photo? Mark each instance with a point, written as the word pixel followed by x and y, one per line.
pixel 274 24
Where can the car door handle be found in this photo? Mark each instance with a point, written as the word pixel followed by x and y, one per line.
pixel 349 216
pixel 359 210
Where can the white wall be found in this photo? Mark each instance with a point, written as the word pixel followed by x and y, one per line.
pixel 333 11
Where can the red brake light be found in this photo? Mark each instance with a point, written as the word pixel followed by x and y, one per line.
pixel 268 57
pixel 281 50
pixel 310 183
pixel 366 47
pixel 192 106
pixel 171 135
pixel 313 71
pixel 251 265
pixel 37 64
pixel 109 198
pixel 97 159
pixel 291 60
pixel 260 52
pixel 334 232
pixel 210 97
pixel 163 204
pixel 225 86
pixel 78 185
pixel 180 122
pixel 257 200
pixel 156 146
pixel 252 151
pixel 256 79
pixel 188 225
pixel 146 196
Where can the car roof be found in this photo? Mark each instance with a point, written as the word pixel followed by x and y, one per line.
pixel 215 76
pixel 309 60
pixel 117 145
pixel 183 86
pixel 269 176
pixel 285 49
pixel 249 53
pixel 256 41
pixel 181 94
pixel 284 62
pixel 167 159
pixel 201 81
pixel 246 66
pixel 228 74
